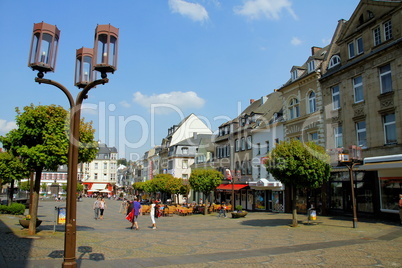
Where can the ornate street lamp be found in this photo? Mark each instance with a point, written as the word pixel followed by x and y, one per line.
pixel 350 161
pixel 43 59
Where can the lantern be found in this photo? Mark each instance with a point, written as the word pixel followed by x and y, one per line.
pixel 84 73
pixel 43 52
pixel 105 49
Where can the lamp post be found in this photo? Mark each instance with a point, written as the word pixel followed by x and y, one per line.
pixel 350 160
pixel 43 59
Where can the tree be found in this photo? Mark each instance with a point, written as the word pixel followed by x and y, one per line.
pixel 299 166
pixel 11 169
pixel 42 141
pixel 205 181
pixel 174 186
pixel 122 161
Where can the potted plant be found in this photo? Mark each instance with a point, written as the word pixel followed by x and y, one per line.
pixel 26 220
pixel 239 212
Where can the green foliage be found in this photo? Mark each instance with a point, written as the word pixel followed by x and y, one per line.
pixel 42 137
pixel 303 165
pixel 11 168
pixel 80 187
pixel 122 161
pixel 239 208
pixel 14 209
pixel 205 180
pixel 24 186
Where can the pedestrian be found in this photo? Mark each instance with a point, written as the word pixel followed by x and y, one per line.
pixel 102 207
pixel 400 207
pixel 137 212
pixel 154 212
pixel 222 210
pixel 96 208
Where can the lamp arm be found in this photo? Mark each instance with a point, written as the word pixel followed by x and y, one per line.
pixel 83 93
pixel 58 85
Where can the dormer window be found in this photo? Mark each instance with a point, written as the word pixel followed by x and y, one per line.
pixel 294 75
pixel 311 66
pixel 335 60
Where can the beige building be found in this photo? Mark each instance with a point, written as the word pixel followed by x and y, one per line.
pixel 363 95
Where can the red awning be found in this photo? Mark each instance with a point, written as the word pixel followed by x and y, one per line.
pixel 228 187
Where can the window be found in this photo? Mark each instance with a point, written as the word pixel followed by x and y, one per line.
pixel 243 144
pixel 385 78
pixel 311 102
pixel 338 137
pixel 359 43
pixel 358 89
pixel 387 30
pixel 243 168
pixel 335 60
pixel 184 150
pixel 313 136
pixel 96 165
pixel 267 145
pixel 96 176
pixel 355 47
pixel 105 165
pixel 294 75
pixel 258 148
pixel 351 47
pixel 311 66
pixel 185 163
pixel 227 150
pixel 336 104
pixel 249 142
pixel 185 176
pixel 361 134
pixel 377 36
pixel 249 169
pixel 389 128
pixel 294 111
pixel 237 145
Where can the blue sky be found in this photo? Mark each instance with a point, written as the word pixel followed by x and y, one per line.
pixel 176 57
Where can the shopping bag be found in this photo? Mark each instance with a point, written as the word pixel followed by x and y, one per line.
pixel 130 216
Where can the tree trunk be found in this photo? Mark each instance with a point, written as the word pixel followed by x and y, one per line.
pixel 35 203
pixel 11 193
pixel 294 208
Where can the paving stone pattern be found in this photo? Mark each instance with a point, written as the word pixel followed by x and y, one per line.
pixel 260 239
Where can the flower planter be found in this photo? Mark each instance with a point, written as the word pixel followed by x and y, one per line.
pixel 25 223
pixel 239 214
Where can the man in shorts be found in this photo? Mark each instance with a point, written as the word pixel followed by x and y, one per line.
pixel 137 212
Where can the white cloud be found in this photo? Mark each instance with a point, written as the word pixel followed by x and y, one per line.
pixel 6 126
pixel 169 102
pixel 194 11
pixel 270 9
pixel 125 104
pixel 295 41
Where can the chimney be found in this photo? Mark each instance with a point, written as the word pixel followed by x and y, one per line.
pixel 195 135
pixel 314 50
pixel 252 100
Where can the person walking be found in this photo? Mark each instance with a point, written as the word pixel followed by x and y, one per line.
pixel 102 208
pixel 154 213
pixel 96 207
pixel 400 207
pixel 137 212
pixel 222 210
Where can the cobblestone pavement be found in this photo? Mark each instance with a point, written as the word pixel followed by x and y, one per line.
pixel 258 240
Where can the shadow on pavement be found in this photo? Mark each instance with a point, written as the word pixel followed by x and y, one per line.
pixel 8 250
pixel 267 223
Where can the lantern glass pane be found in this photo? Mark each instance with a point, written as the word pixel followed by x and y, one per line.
pixel 112 51
pixel 87 69
pixel 34 48
pixel 77 71
pixel 45 48
pixel 102 49
pixel 54 54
